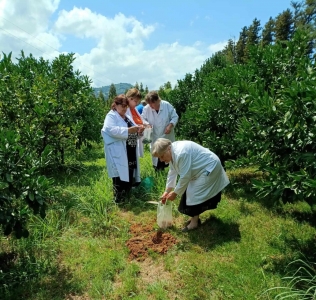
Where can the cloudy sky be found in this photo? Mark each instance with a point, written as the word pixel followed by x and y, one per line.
pixel 129 40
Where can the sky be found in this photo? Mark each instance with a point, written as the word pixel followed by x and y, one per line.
pixel 129 41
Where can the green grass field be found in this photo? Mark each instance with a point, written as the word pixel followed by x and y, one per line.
pixel 241 251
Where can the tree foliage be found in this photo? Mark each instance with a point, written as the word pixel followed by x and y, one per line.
pixel 47 113
pixel 257 101
pixel 112 92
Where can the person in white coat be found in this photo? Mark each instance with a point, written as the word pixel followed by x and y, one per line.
pixel 201 177
pixel 163 118
pixel 120 135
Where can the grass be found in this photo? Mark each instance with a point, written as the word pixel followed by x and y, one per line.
pixel 242 250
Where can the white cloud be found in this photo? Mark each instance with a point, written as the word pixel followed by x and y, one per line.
pixel 25 26
pixel 217 47
pixel 84 23
pixel 119 53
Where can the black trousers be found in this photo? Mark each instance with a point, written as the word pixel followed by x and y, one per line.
pixel 121 188
pixel 194 210
pixel 161 165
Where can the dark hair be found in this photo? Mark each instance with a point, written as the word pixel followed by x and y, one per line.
pixel 152 97
pixel 120 99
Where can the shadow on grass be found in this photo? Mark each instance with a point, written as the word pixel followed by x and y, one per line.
pixel 301 211
pixel 146 191
pixel 241 188
pixel 22 280
pixel 214 232
pixel 94 153
pixel 82 175
pixel 237 191
pixel 304 251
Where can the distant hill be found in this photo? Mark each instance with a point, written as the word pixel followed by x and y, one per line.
pixel 120 89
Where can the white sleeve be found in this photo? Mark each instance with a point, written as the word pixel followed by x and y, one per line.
pixel 173 115
pixel 184 165
pixel 171 177
pixel 111 128
pixel 144 114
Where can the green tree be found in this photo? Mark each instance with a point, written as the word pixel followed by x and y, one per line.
pixel 305 19
pixel 112 92
pixel 284 26
pixel 268 33
pixel 47 112
pixel 241 46
pixel 101 96
pixel 230 51
pixel 252 36
pixel 136 86
pixel 141 88
pixel 167 85
pixel 253 33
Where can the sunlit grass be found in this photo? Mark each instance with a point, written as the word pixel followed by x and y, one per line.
pixel 241 250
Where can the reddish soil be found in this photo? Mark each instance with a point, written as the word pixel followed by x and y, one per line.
pixel 145 238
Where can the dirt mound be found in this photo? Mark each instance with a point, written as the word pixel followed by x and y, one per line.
pixel 145 238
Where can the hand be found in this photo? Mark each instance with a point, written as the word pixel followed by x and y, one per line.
pixel 141 128
pixel 171 196
pixel 168 128
pixel 133 129
pixel 163 197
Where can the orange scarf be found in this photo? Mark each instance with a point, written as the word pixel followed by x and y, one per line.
pixel 136 117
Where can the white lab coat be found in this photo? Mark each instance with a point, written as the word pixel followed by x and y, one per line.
pixel 115 134
pixel 140 140
pixel 166 115
pixel 200 172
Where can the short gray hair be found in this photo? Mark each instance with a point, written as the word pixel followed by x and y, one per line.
pixel 160 146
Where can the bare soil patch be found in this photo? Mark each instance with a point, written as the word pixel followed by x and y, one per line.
pixel 146 238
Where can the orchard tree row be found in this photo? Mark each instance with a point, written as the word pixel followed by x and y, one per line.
pixel 47 114
pixel 259 107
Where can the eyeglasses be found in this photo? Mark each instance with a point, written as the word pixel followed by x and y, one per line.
pixel 123 105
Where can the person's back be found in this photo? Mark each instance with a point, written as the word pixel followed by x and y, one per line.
pixel 140 106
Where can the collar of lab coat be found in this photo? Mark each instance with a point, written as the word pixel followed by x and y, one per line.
pixel 127 116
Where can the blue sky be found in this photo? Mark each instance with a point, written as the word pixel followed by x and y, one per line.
pixel 129 41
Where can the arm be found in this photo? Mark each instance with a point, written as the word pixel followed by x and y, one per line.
pixel 173 115
pixel 184 163
pixel 171 183
pixel 173 118
pixel 117 131
pixel 144 114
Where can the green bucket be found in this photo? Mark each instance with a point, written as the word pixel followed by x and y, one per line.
pixel 147 184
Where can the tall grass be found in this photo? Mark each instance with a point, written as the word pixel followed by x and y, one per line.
pixel 300 284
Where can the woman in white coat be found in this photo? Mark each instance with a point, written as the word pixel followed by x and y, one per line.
pixel 163 118
pixel 120 136
pixel 201 177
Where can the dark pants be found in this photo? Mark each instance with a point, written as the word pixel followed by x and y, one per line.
pixel 121 188
pixel 194 210
pixel 161 165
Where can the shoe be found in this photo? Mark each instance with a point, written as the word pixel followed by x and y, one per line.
pixel 188 222
pixel 186 228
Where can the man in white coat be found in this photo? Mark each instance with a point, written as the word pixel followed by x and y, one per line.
pixel 201 177
pixel 163 118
